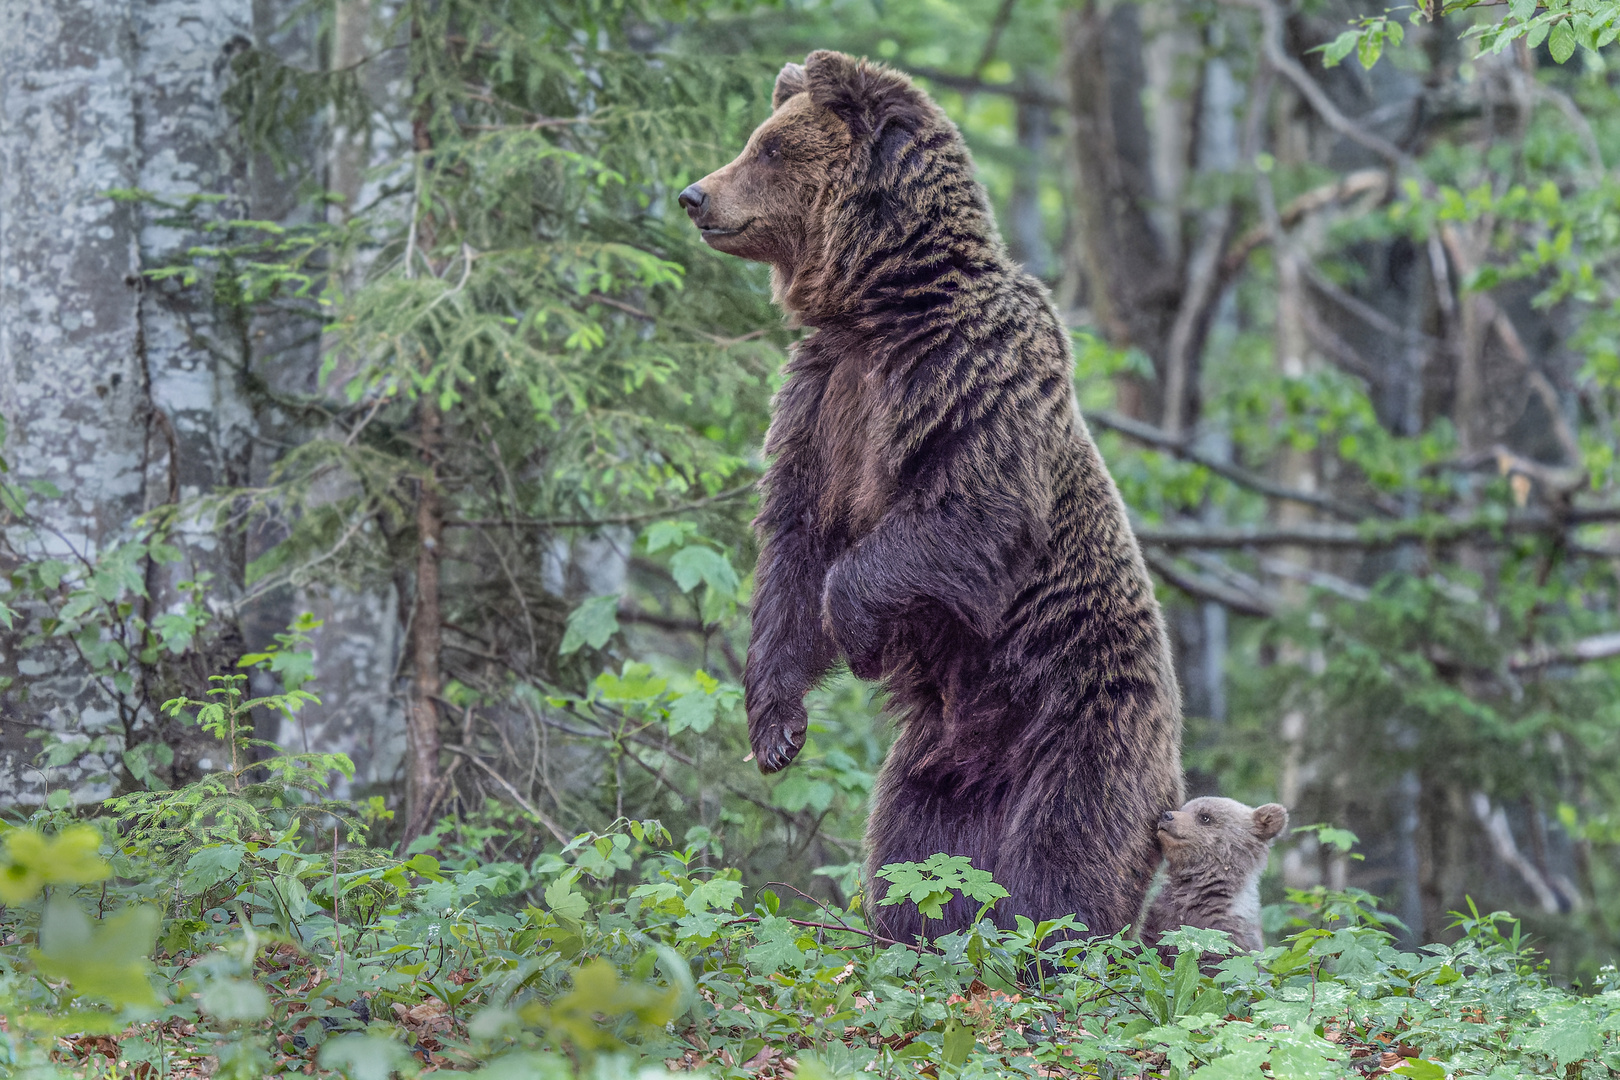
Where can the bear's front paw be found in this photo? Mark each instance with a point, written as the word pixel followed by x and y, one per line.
pixel 776 733
pixel 853 629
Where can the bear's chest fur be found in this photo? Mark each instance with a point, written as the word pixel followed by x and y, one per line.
pixel 857 486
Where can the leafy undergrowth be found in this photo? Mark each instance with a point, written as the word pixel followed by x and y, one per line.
pixel 623 955
pixel 241 927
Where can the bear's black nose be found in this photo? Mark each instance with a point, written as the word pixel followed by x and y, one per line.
pixel 1167 817
pixel 694 198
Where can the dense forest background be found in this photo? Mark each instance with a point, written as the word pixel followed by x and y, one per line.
pixel 364 339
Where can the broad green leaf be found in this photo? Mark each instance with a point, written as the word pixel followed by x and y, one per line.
pixel 695 565
pixel 234 999
pixel 104 960
pixel 663 534
pixel 33 861
pixel 1370 48
pixel 1561 41
pixel 695 711
pixel 564 902
pixel 591 623
pixel 211 865
pixel 777 948
pixel 636 684
pixel 365 1057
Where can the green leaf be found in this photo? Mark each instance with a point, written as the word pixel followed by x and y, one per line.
pixel 1570 1033
pixel 105 960
pixel 695 565
pixel 563 901
pixel 211 865
pixel 1370 48
pixel 365 1057
pixel 234 999
pixel 637 684
pixel 958 1042
pixel 777 948
pixel 1420 1069
pixel 695 711
pixel 1339 48
pixel 591 623
pixel 1522 10
pixel 663 534
pixel 1243 1063
pixel 1561 41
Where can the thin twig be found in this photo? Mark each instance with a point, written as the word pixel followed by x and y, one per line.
pixel 617 519
pixel 1272 43
pixel 551 826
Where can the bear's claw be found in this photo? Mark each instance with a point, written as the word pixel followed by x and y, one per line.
pixel 776 734
pixel 775 751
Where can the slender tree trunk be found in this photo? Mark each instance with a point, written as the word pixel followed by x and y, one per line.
pixel 422 778
pixel 1131 285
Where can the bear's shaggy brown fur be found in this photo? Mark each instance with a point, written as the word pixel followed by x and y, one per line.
pixel 1214 852
pixel 936 512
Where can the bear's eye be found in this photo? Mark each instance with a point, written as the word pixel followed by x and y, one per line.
pixel 770 149
pixel 1205 819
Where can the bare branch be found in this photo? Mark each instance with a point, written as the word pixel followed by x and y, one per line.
pixel 1272 42
pixel 1584 651
pixel 1364 182
pixel 1031 93
pixel 529 808
pixel 597 523
pixel 1149 435
pixel 1202 587
pixel 998 26
pixel 1374 535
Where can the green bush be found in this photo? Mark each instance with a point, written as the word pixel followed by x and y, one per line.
pixel 240 924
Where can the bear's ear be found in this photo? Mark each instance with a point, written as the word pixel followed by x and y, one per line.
pixel 835 83
pixel 1269 820
pixel 873 102
pixel 789 81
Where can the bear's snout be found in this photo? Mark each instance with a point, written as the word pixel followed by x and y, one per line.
pixel 1167 817
pixel 693 199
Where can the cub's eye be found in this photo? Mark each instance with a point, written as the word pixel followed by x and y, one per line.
pixel 770 149
pixel 1205 819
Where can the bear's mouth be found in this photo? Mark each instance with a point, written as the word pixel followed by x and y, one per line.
pixel 717 233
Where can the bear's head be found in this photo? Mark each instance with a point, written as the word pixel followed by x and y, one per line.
pixel 840 130
pixel 1219 834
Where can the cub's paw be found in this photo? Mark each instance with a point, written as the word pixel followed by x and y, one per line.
pixel 776 732
pixel 857 634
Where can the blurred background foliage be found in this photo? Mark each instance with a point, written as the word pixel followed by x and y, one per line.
pixel 1348 336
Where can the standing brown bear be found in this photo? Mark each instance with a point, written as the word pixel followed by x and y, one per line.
pixel 936 513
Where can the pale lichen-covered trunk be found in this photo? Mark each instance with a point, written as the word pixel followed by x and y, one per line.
pixel 127 393
pixel 115 393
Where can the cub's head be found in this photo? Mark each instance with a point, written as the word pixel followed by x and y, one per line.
pixel 1221 833
pixel 833 119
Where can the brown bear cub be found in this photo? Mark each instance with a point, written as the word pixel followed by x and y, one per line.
pixel 936 514
pixel 1214 853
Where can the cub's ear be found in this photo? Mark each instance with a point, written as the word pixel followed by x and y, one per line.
pixel 789 81
pixel 1269 820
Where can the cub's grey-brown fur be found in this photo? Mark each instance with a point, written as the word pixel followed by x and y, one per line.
pixel 936 513
pixel 1214 853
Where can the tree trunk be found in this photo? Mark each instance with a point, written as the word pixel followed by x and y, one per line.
pixel 423 782
pixel 1130 281
pixel 122 392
